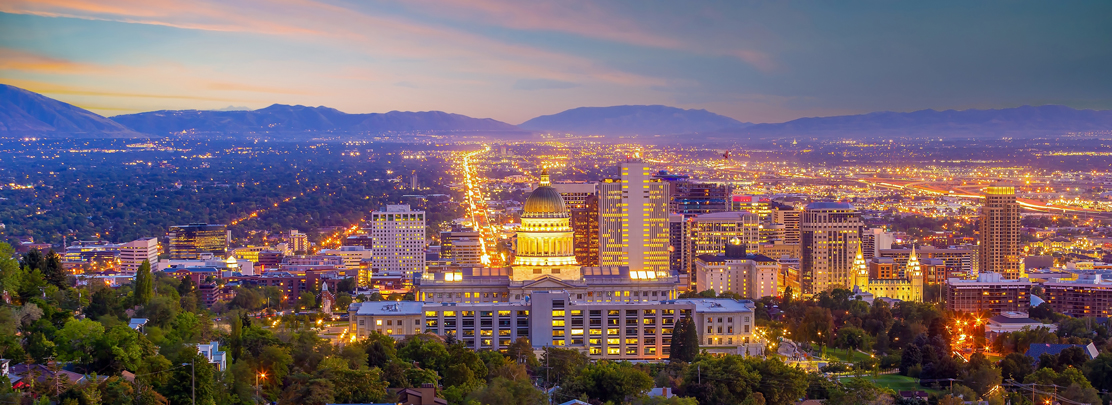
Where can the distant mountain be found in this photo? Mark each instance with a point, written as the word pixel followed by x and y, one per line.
pixel 24 113
pixel 233 108
pixel 1019 122
pixel 285 119
pixel 632 120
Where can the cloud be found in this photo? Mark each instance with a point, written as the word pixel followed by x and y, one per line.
pixel 376 34
pixel 406 84
pixel 15 59
pixel 543 84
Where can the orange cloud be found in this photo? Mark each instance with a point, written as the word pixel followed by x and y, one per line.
pixel 15 59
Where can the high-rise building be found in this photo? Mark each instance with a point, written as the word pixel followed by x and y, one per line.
pixel 132 254
pixel 830 233
pixel 999 251
pixel 399 239
pixel 711 232
pixel 581 200
pixel 633 220
pixel 189 242
pixel 297 242
pixel 461 247
pixel 762 206
pixel 789 217
pixel 873 240
pixel 679 243
pixel 688 198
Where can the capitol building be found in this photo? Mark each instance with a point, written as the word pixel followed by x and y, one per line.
pixel 545 261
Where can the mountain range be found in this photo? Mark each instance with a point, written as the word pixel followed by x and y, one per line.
pixel 279 119
pixel 1022 121
pixel 632 120
pixel 24 113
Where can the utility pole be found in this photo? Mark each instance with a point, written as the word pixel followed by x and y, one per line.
pixel 193 374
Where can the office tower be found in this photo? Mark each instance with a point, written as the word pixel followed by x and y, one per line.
pixel 544 240
pixel 761 206
pixel 830 234
pixel 789 217
pixel 711 232
pixel 688 197
pixel 189 242
pixel 297 242
pixel 873 240
pixel 633 220
pixel 461 247
pixel 999 251
pixel 581 200
pixel 132 254
pixel 575 194
pixel 399 239
pixel 679 243
pixel 584 225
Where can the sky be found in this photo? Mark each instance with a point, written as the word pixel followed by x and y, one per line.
pixel 512 60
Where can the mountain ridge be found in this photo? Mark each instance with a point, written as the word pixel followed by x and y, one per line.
pixel 24 112
pixel 632 120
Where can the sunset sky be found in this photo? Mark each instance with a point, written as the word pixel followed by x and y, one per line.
pixel 758 61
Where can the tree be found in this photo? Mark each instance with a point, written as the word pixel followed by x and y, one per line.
pixel 199 375
pixel 502 391
pixel 609 381
pixel 1016 366
pixel 76 340
pixel 685 341
pixel 859 391
pixel 521 351
pixel 144 287
pixel 428 351
pixel 1099 371
pixel 983 379
pixel 54 272
pixel 910 357
pixel 1073 356
pixel 562 365
pixel 306 300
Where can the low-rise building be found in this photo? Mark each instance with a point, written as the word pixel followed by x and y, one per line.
pixel 640 330
pixel 1088 296
pixel 750 276
pixel 989 292
pixel 1009 322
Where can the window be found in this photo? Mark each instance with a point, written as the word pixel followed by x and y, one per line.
pixel 468 313
pixel 558 313
pixel 430 313
pixel 449 313
pixel 650 350
pixel 378 322
pixel 558 322
pixel 557 333
pixel 613 341
pixel 612 331
pixel 631 350
pixel 613 350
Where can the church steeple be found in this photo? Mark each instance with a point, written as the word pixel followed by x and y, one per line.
pixel 860 270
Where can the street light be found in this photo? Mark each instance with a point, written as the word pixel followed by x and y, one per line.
pixel 257 377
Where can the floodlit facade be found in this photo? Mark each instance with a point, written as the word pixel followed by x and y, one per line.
pixel 603 330
pixel 711 232
pixel 132 254
pixel 881 279
pixel 399 239
pixel 999 250
pixel 830 237
pixel 544 240
pixel 989 292
pixel 190 242
pixel 633 220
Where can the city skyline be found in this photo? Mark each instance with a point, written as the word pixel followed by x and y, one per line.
pixel 511 62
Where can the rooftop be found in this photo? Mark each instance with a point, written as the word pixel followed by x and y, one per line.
pixel 830 205
pixel 711 305
pixel 387 308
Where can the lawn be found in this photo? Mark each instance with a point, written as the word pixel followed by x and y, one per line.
pixel 840 355
pixel 897 382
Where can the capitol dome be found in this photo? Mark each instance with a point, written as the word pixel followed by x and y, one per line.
pixel 544 201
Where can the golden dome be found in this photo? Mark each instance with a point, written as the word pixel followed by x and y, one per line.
pixel 545 201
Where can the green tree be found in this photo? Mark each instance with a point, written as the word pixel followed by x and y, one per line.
pixel 859 391
pixel 306 300
pixel 199 375
pixel 508 392
pixel 561 365
pixel 428 351
pixel 1016 366
pixel 1099 371
pixel 608 381
pixel 685 341
pixel 143 284
pixel 54 272
pixel 76 340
